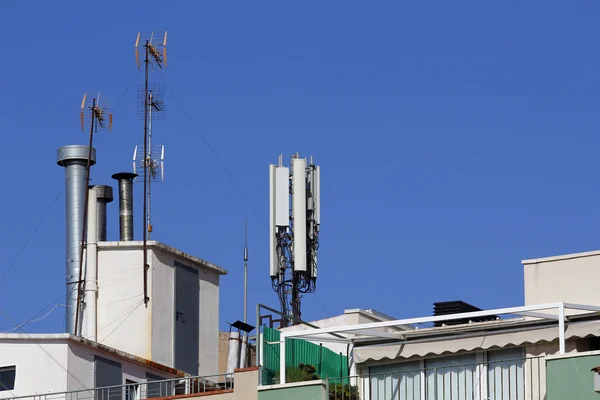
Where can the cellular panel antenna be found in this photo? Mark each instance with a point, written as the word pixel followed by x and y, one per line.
pixel 94 116
pixel 295 220
pixel 151 50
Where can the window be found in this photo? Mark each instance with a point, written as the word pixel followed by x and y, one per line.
pixel 506 374
pixel 462 377
pixel 451 377
pixel 7 377
pixel 132 390
pixel 396 381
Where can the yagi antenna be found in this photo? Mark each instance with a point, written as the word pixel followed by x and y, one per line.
pixel 94 116
pixel 154 45
pixel 95 113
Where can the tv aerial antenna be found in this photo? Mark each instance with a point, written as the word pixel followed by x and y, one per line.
pixel 94 116
pixel 154 156
pixel 151 50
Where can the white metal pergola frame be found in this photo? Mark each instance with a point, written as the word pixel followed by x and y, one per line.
pixel 369 330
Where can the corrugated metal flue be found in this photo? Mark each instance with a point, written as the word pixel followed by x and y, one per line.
pixel 125 204
pixel 74 160
pixel 105 196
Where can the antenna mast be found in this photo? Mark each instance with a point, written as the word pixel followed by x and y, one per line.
pixel 295 220
pixel 154 157
pixel 245 270
pixel 155 55
pixel 94 114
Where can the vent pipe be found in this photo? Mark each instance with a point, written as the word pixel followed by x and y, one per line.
pixel 74 160
pixel 125 205
pixel 104 194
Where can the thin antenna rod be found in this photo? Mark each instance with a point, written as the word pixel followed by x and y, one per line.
pixel 145 216
pixel 149 159
pixel 85 214
pixel 245 270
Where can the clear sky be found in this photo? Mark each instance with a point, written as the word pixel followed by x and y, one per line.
pixel 456 138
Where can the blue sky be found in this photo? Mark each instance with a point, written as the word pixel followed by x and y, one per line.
pixel 455 139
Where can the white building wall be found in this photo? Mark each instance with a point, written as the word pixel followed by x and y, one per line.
pixel 82 370
pixel 571 278
pixel 209 323
pixel 163 308
pixel 123 321
pixel 41 366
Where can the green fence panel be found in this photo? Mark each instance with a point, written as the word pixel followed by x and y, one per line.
pixel 297 351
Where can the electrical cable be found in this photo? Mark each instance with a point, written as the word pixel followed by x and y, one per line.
pixel 41 221
pixel 212 151
pixel 124 319
pixel 304 287
pixel 46 351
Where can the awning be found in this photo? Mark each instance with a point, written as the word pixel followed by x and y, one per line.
pixel 482 341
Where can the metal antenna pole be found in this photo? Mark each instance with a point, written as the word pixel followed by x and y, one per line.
pixel 245 270
pixel 144 219
pixel 85 212
pixel 149 160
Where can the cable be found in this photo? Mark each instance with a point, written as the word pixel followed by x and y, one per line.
pixel 125 92
pixel 45 351
pixel 56 198
pixel 32 235
pixel 124 319
pixel 36 314
pixel 212 151
pixel 34 320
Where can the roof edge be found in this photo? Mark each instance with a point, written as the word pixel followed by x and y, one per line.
pixel 136 244
pixel 561 257
pixel 138 360
pixel 68 338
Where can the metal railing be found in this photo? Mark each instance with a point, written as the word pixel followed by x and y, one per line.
pixel 520 379
pixel 143 390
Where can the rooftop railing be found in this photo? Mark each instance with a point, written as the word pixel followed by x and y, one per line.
pixel 143 390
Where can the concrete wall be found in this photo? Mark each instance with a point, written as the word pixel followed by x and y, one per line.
pixel 571 377
pixel 81 363
pixel 163 287
pixel 572 278
pixel 209 323
pixel 123 321
pixel 41 366
pixel 59 365
pixel 311 390
pixel 126 324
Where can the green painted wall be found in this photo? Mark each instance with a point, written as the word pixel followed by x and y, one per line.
pixel 571 378
pixel 315 392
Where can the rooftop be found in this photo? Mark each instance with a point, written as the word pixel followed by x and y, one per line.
pixel 138 244
pixel 66 337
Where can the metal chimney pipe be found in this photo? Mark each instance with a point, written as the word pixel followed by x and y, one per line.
pixel 125 204
pixel 104 194
pixel 74 160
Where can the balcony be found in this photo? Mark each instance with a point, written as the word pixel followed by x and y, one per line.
pixel 518 379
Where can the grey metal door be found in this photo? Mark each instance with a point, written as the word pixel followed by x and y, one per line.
pixel 187 310
pixel 107 373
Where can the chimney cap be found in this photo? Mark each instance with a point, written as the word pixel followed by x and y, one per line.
pixel 75 152
pixel 104 192
pixel 124 175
